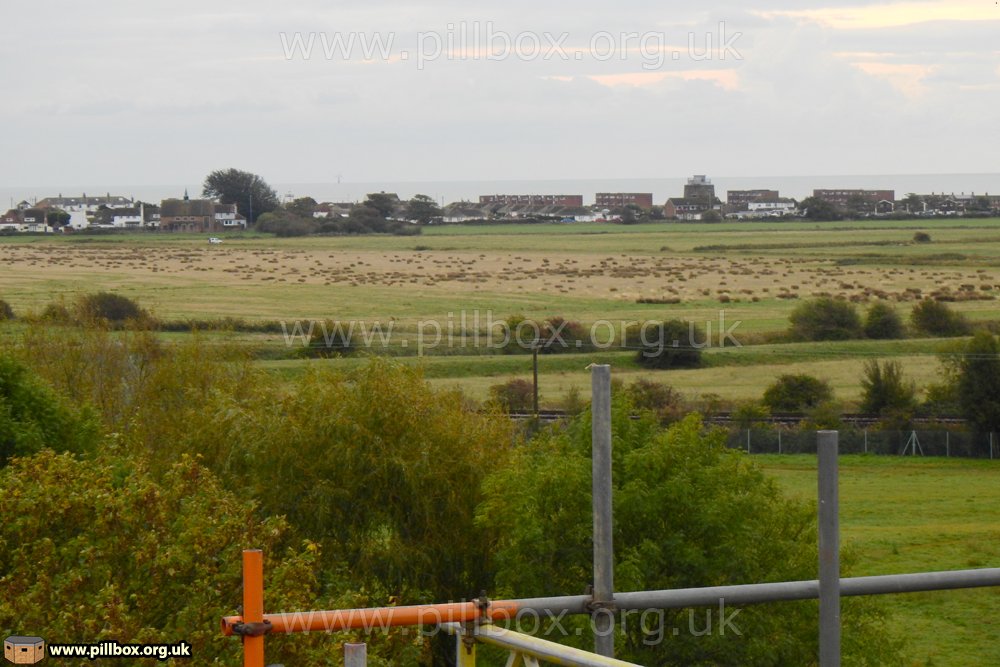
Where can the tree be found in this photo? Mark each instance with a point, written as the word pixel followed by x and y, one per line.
pixel 882 322
pixel 285 223
pixel 422 209
pixel 884 390
pixel 820 209
pixel 671 344
pixel 711 216
pixel 858 206
pixel 111 307
pixel 921 237
pixel 150 560
pixel 825 318
pixel 515 395
pixel 913 202
pixel 978 382
pixel 935 318
pixel 796 393
pixel 57 218
pixel 251 193
pixel 383 203
pixel 34 417
pixel 688 513
pixel 302 207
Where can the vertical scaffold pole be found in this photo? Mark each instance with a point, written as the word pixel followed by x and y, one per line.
pixel 355 655
pixel 253 605
pixel 829 550
pixel 604 581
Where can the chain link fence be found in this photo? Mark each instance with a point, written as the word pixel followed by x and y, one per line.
pixel 961 444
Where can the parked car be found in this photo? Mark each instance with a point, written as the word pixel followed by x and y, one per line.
pixel 215 239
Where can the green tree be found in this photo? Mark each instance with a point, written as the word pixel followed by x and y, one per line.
pixel 825 318
pixel 935 318
pixel 978 382
pixel 882 322
pixel 820 209
pixel 858 206
pixel 670 344
pixel 251 193
pixel 796 393
pixel 885 392
pixel 34 417
pixel 913 202
pixel 384 203
pixel 110 307
pixel 688 513
pixel 302 207
pixel 285 223
pixel 102 550
pixel 57 218
pixel 422 209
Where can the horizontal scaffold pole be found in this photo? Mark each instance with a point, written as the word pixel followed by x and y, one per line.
pixel 498 610
pixel 542 649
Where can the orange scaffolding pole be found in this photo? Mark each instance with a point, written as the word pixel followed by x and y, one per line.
pixel 376 618
pixel 253 607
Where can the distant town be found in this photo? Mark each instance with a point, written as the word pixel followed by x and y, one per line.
pixel 699 202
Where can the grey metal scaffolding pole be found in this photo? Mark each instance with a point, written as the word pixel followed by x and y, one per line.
pixel 602 603
pixel 829 550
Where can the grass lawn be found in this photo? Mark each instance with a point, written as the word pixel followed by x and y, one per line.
pixel 912 515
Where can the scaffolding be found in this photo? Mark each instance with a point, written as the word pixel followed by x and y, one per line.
pixel 480 621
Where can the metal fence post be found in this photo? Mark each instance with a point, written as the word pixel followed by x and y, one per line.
pixel 604 586
pixel 355 655
pixel 253 605
pixel 829 550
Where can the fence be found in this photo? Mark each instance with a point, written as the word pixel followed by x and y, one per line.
pixel 473 622
pixel 945 443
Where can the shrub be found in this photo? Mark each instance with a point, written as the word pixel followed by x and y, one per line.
pixel 6 312
pixel 825 318
pixel 515 395
pixel 882 322
pixel 796 393
pixel 661 399
pixel 33 416
pixel 114 308
pixel 328 338
pixel 671 344
pixel 935 318
pixel 561 335
pixel 978 382
pixel 884 391
pixel 688 513
pixel 921 237
pixel 56 313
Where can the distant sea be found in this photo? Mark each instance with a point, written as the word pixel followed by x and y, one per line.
pixel 449 191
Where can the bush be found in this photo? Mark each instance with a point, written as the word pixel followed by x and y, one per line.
pixel 6 312
pixel 671 344
pixel 978 382
pixel 935 318
pixel 882 322
pixel 688 513
pixel 517 395
pixel 114 308
pixel 661 399
pixel 56 313
pixel 34 417
pixel 885 392
pixel 825 318
pixel 921 237
pixel 796 393
pixel 328 338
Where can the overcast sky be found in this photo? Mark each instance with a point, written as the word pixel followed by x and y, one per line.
pixel 162 92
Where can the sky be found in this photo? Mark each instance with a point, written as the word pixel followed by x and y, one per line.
pixel 164 92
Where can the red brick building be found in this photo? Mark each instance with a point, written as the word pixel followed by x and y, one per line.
pixel 643 200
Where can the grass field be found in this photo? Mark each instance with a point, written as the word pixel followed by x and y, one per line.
pixel 752 274
pixel 913 515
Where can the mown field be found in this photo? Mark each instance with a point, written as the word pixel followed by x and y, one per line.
pixel 914 515
pixel 749 275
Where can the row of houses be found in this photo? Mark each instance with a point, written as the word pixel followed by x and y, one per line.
pixel 122 213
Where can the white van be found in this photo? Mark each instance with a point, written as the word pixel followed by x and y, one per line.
pixel 215 240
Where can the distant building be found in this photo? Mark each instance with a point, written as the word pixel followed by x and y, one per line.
pixel 82 209
pixel 877 198
pixel 739 200
pixel 643 200
pixel 699 197
pixel 533 200
pixel 199 215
